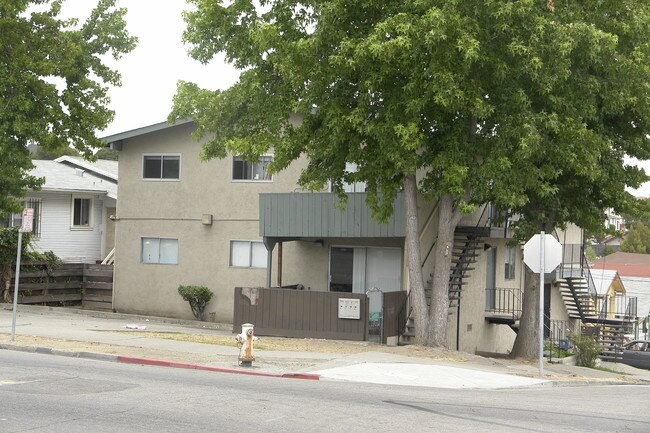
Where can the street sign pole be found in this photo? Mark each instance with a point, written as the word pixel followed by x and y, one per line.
pixel 541 305
pixel 26 227
pixel 13 321
pixel 550 256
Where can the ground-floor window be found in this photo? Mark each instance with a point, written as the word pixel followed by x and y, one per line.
pixel 16 220
pixel 159 250
pixel 248 254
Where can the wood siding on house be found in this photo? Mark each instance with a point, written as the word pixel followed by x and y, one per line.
pixel 317 215
pixel 69 244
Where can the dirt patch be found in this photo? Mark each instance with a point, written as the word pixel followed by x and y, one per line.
pixel 308 345
pixel 264 343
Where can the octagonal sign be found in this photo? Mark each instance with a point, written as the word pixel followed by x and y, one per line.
pixel 552 253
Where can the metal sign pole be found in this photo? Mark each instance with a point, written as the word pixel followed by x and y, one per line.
pixel 13 321
pixel 26 227
pixel 541 305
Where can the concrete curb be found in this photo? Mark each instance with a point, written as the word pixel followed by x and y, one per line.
pixel 155 362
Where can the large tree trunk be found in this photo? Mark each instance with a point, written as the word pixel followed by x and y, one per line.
pixel 416 281
pixel 448 219
pixel 527 341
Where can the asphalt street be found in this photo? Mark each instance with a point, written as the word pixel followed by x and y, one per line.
pixel 42 393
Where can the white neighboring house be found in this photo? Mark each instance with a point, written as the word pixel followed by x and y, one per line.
pixel 72 209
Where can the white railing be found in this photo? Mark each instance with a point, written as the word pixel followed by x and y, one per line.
pixel 110 258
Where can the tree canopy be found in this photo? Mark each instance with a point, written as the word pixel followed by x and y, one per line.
pixel 529 104
pixel 637 239
pixel 54 84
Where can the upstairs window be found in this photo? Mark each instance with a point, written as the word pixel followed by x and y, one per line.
pixel 511 256
pixel 81 208
pixel 251 171
pixel 351 167
pixel 16 220
pixel 161 167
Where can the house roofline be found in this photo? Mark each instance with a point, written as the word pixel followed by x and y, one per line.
pixel 144 130
pixel 76 191
pixel 87 166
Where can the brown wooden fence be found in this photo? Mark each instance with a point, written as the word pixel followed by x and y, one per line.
pixel 298 313
pixel 66 284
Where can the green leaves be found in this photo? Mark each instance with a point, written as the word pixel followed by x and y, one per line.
pixel 54 89
pixel 529 106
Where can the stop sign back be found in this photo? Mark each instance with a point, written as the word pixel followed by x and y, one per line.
pixel 552 253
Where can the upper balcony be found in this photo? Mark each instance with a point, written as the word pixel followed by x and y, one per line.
pixel 485 222
pixel 319 215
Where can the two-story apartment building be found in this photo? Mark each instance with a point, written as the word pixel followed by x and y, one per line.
pixel 226 223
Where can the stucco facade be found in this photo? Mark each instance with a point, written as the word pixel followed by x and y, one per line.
pixel 201 211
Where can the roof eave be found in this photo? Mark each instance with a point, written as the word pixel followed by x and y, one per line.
pixel 144 130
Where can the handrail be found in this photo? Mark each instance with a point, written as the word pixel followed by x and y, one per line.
pixel 506 300
pixel 110 258
pixel 586 270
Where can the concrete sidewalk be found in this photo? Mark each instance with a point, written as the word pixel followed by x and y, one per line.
pixel 102 335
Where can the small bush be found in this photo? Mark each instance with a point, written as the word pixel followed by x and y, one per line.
pixel 198 297
pixel 587 349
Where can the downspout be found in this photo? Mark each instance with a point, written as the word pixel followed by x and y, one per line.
pixel 279 264
pixel 269 244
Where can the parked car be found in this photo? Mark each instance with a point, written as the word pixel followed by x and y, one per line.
pixel 637 354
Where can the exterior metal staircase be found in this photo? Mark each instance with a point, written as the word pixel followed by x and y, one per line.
pixel 581 300
pixel 465 251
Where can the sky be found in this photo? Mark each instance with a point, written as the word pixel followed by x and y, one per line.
pixel 151 72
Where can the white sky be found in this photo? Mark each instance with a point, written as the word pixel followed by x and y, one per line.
pixel 151 71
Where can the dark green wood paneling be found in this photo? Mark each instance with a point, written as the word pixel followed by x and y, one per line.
pixel 317 215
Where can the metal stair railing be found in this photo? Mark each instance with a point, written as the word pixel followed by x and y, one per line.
pixel 406 310
pixel 507 301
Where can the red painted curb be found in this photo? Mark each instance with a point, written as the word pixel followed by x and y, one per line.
pixel 173 364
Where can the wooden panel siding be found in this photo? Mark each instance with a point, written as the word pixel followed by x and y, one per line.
pixel 319 215
pixel 299 314
pixel 66 284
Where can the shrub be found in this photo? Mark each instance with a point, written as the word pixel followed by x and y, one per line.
pixel 198 297
pixel 587 349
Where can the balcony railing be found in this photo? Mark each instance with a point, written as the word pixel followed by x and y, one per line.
pixel 503 302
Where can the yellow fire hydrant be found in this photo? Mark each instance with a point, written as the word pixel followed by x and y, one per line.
pixel 246 339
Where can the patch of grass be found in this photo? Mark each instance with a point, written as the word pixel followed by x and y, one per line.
pixel 609 370
pixel 264 343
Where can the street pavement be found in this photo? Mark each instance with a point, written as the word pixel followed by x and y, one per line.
pixel 106 336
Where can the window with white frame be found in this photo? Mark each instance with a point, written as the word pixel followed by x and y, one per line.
pixel 248 254
pixel 351 167
pixel 251 171
pixel 511 256
pixel 81 212
pixel 16 220
pixel 159 250
pixel 161 167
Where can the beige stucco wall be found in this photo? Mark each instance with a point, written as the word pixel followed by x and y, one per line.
pixel 173 209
